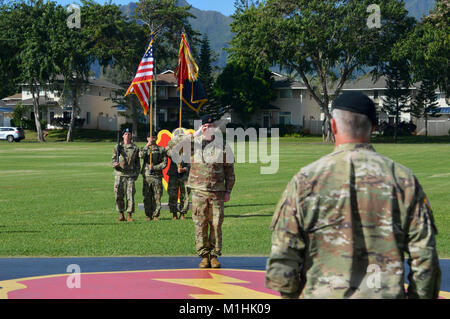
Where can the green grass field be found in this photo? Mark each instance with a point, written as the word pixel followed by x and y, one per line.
pixel 56 199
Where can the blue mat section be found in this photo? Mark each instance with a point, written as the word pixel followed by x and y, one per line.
pixel 13 268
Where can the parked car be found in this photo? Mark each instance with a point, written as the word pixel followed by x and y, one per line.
pixel 12 134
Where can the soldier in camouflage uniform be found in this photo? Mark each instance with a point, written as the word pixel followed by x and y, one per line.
pixel 178 177
pixel 211 180
pixel 126 172
pixel 344 223
pixel 152 176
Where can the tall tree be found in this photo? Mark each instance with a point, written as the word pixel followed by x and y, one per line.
pixel 244 88
pixel 33 22
pixel 118 43
pixel 425 103
pixel 74 58
pixel 8 54
pixel 327 40
pixel 167 20
pixel 397 93
pixel 206 77
pixel 428 47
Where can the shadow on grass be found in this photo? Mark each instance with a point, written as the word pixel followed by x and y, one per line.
pixel 249 215
pixel 411 140
pixel 20 231
pixel 249 205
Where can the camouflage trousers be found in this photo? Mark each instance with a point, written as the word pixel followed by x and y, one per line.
pixel 208 214
pixel 124 186
pixel 152 190
pixel 176 184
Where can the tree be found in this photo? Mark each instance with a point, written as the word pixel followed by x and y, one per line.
pixel 8 54
pixel 397 93
pixel 117 43
pixel 425 103
pixel 33 24
pixel 206 77
pixel 427 47
pixel 245 88
pixel 167 20
pixel 326 40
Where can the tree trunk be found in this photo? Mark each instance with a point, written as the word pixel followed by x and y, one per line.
pixel 73 113
pixel 37 118
pixel 396 127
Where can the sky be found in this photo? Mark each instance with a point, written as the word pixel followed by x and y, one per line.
pixel 226 7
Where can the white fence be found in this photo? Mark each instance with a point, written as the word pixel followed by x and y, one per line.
pixel 436 127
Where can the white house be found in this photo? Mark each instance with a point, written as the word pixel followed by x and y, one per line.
pixel 97 111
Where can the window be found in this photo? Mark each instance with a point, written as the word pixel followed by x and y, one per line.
pixel 375 94
pixel 285 118
pixel 161 91
pixel 286 94
pixel 88 117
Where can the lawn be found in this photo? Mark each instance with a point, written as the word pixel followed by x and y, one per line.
pixel 56 199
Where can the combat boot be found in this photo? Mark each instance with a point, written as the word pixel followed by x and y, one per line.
pixel 175 217
pixel 155 218
pixel 121 217
pixel 214 262
pixel 129 218
pixel 205 262
pixel 182 216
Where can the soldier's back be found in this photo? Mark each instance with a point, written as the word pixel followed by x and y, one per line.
pixel 353 212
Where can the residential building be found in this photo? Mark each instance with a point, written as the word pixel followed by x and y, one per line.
pixel 97 110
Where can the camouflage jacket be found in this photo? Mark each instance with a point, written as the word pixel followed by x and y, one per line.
pixel 128 160
pixel 159 160
pixel 343 226
pixel 211 166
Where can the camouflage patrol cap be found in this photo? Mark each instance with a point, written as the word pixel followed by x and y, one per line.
pixel 207 119
pixel 356 102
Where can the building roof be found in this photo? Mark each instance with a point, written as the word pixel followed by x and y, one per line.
pixel 167 78
pixel 284 82
pixel 17 96
pixel 93 81
pixel 363 83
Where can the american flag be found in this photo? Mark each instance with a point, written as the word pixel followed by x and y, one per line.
pixel 142 82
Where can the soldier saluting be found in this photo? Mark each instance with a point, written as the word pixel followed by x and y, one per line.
pixel 155 160
pixel 211 180
pixel 126 164
pixel 345 222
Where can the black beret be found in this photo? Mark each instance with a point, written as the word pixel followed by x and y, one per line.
pixel 154 134
pixel 356 102
pixel 207 119
pixel 127 130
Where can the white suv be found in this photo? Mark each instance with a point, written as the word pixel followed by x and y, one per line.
pixel 12 134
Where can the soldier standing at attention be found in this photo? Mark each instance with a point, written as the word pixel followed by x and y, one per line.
pixel 178 177
pixel 211 180
pixel 152 173
pixel 345 222
pixel 126 172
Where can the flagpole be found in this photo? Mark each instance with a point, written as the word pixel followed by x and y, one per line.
pixel 181 102
pixel 151 120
